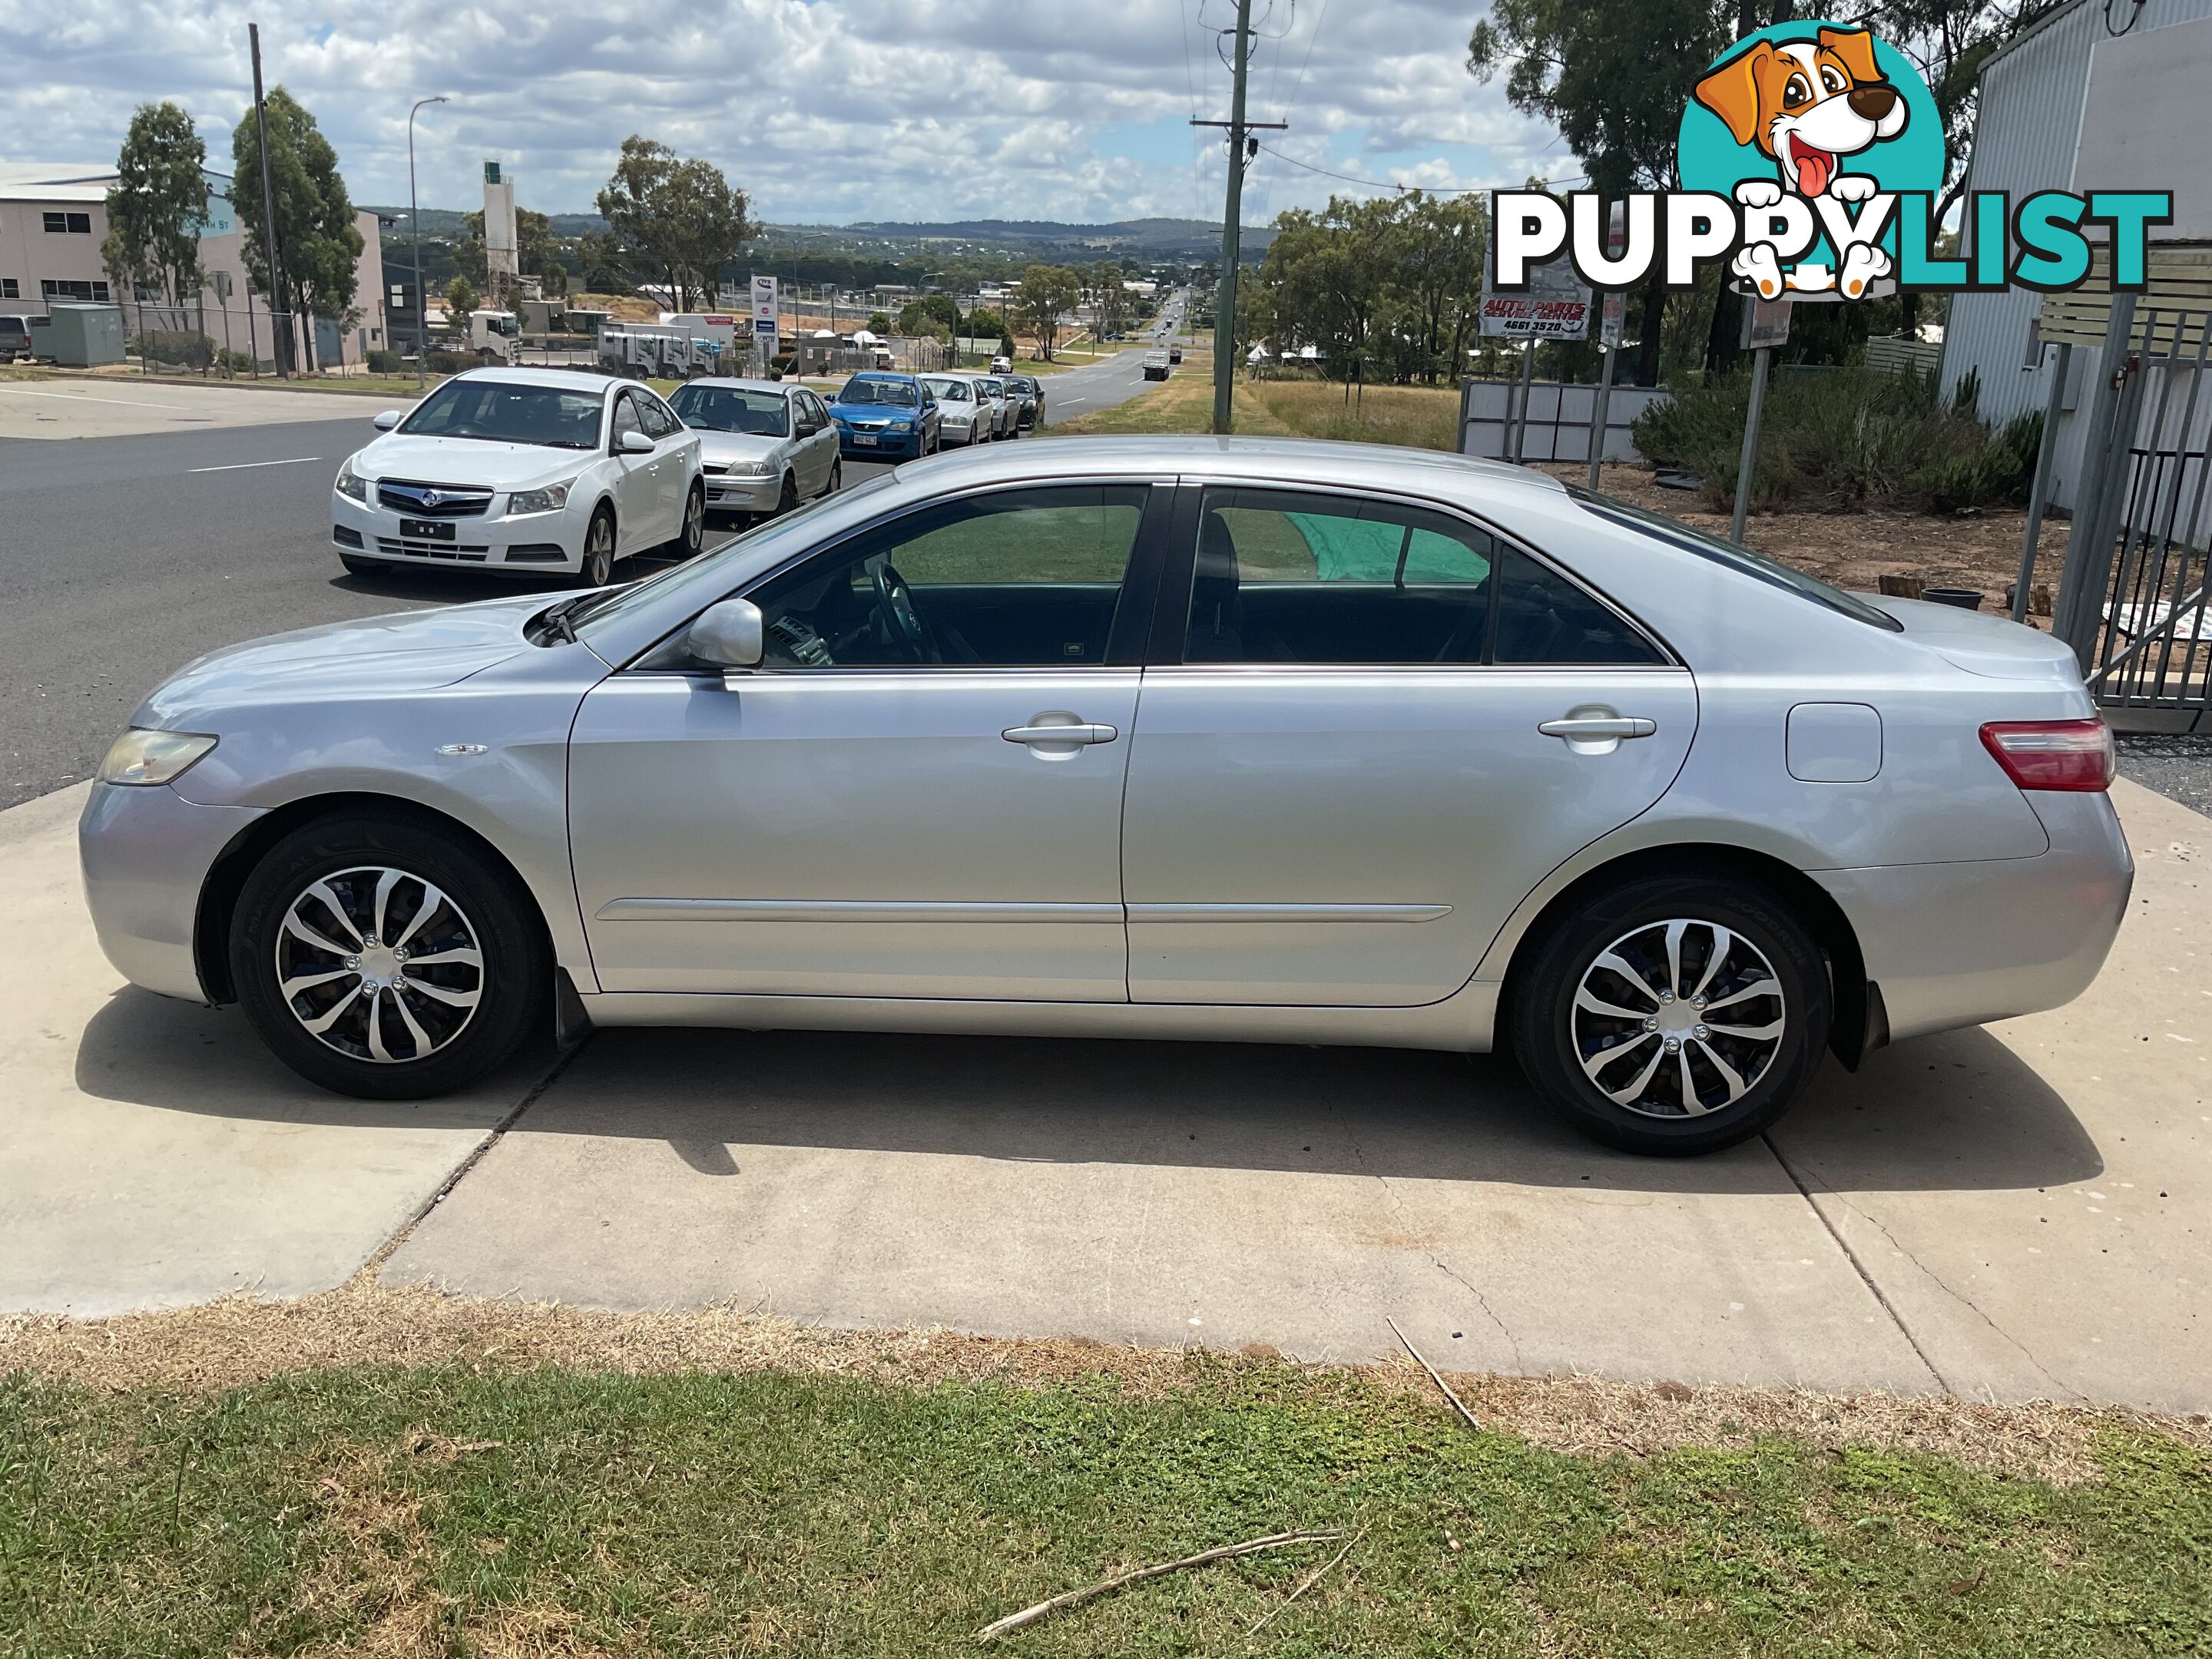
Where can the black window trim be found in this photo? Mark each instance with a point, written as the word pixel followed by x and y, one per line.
pixel 1170 618
pixel 1126 647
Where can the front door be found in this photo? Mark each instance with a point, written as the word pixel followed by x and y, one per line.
pixel 919 794
pixel 638 507
pixel 1344 787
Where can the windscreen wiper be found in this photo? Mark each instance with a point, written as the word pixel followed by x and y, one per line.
pixel 556 620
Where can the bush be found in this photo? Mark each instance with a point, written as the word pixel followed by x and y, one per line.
pixel 449 363
pixel 386 362
pixel 178 348
pixel 235 363
pixel 1844 440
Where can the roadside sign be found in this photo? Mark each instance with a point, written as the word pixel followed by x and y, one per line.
pixel 1615 307
pixel 1556 306
pixel 764 311
pixel 1766 324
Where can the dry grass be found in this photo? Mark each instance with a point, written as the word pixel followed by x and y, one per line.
pixel 238 1341
pixel 1419 417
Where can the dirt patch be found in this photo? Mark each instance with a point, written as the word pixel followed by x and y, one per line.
pixel 1855 551
pixel 238 1341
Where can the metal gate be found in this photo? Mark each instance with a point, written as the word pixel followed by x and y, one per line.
pixel 2133 601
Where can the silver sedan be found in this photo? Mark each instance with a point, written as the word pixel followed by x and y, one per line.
pixel 1257 740
pixel 764 446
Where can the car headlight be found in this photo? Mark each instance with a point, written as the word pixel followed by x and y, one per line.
pixel 901 426
pixel 551 499
pixel 141 756
pixel 351 482
pixel 753 469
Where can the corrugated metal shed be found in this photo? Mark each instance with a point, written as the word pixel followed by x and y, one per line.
pixel 2026 133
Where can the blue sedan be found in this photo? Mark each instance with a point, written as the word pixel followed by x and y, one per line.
pixel 885 416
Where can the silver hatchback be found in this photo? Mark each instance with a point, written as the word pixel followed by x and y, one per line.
pixel 1175 738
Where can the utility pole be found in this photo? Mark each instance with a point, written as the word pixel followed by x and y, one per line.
pixel 278 308
pixel 415 228
pixel 1243 146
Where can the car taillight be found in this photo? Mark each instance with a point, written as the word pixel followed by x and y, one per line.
pixel 2075 755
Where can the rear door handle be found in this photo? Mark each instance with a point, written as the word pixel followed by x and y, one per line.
pixel 1588 727
pixel 1077 731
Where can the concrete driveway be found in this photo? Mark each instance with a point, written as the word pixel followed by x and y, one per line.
pixel 113 406
pixel 2018 1212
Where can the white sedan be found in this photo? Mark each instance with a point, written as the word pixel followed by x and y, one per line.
pixel 967 417
pixel 528 472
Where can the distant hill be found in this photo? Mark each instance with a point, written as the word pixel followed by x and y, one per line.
pixel 1187 238
pixel 447 221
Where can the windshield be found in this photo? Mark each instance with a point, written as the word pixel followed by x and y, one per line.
pixel 1772 571
pixel 953 391
pixel 507 412
pixel 1021 383
pixel 726 408
pixel 993 388
pixel 612 602
pixel 897 392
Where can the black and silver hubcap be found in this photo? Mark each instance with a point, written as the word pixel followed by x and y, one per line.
pixel 599 553
pixel 1678 1018
pixel 379 964
pixel 695 522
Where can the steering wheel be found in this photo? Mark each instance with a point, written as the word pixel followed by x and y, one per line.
pixel 902 624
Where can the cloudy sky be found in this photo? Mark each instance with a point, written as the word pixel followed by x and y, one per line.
pixel 826 110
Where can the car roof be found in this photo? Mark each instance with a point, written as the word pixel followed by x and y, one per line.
pixel 739 383
pixel 1285 460
pixel 568 380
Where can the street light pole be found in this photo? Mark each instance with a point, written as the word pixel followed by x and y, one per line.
pixel 415 225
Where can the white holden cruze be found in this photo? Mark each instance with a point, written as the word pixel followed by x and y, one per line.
pixel 531 471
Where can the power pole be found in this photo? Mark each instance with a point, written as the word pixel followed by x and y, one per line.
pixel 278 308
pixel 1243 146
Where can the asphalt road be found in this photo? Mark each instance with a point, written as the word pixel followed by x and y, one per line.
pixel 122 558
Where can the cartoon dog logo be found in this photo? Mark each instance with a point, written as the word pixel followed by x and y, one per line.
pixel 1806 105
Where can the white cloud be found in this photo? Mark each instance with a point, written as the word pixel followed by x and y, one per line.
pixel 825 111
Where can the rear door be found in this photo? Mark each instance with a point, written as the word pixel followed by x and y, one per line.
pixel 1342 780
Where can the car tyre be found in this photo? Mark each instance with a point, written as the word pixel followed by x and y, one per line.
pixel 600 550
pixel 441 1017
pixel 363 567
pixel 837 478
pixel 692 538
pixel 1696 943
pixel 786 499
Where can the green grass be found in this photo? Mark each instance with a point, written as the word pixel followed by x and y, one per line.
pixel 455 1510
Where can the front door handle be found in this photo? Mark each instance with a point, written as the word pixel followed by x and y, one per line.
pixel 1588 727
pixel 1070 731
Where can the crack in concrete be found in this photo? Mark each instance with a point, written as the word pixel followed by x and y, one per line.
pixel 1804 1186
pixel 1398 1209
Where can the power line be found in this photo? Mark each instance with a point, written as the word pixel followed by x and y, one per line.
pixel 1387 184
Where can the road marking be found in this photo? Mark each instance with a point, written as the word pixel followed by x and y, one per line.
pixel 241 467
pixel 80 398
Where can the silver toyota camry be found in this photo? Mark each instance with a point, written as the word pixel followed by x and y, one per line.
pixel 1258 740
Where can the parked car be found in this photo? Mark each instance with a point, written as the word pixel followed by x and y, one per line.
pixel 1002 365
pixel 885 417
pixel 1027 394
pixel 16 339
pixel 1435 753
pixel 1004 422
pixel 526 472
pixel 964 415
pixel 1174 354
pixel 764 446
pixel 1156 366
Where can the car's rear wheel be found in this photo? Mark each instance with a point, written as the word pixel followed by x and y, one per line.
pixel 600 550
pixel 379 959
pixel 1674 1014
pixel 362 567
pixel 692 537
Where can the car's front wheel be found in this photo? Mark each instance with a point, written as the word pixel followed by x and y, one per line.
pixel 1674 1014
pixel 599 568
pixel 837 478
pixel 379 959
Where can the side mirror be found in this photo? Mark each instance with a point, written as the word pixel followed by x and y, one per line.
pixel 632 443
pixel 387 419
pixel 727 633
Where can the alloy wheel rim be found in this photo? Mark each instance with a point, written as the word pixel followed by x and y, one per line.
pixel 379 964
pixel 1678 1018
pixel 695 519
pixel 598 557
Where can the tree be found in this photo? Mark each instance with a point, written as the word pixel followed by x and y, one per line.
pixel 461 301
pixel 1047 291
pixel 879 322
pixel 677 222
pixel 157 205
pixel 1109 301
pixel 315 232
pixel 1614 76
pixel 936 314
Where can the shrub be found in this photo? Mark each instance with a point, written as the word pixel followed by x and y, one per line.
pixel 386 362
pixel 1843 440
pixel 235 364
pixel 449 363
pixel 180 348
